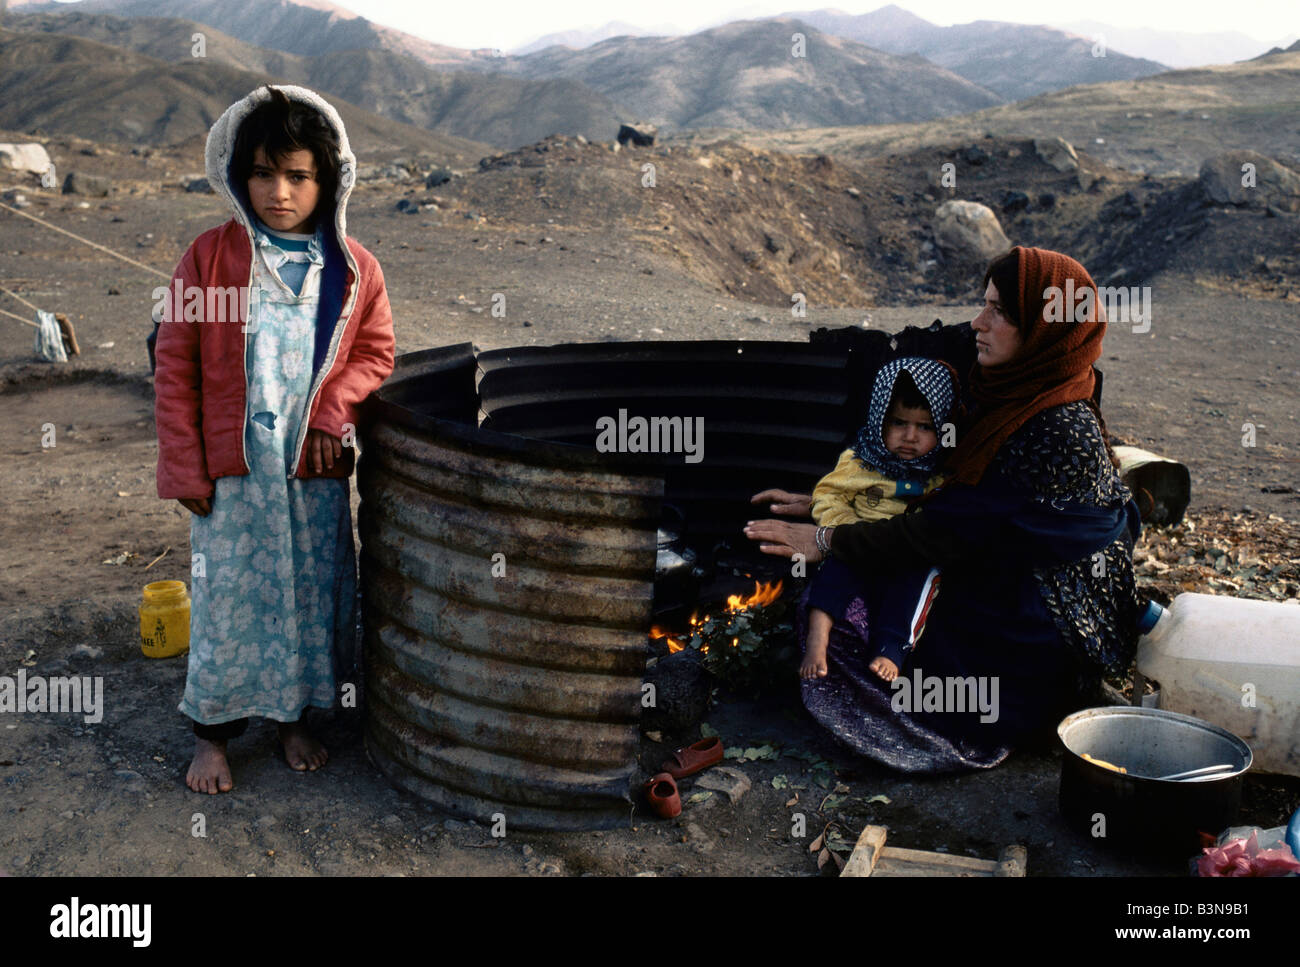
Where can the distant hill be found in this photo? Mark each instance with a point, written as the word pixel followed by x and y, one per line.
pixel 577 39
pixel 743 75
pixel 1177 48
pixel 1013 60
pixel 495 109
pixel 166 38
pixel 740 75
pixel 56 83
pixel 1167 124
pixel 305 27
pixel 1295 47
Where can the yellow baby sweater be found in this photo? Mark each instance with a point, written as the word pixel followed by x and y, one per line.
pixel 852 492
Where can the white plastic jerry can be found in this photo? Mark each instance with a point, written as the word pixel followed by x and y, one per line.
pixel 1233 662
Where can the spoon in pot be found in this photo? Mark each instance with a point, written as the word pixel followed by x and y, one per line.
pixel 1204 772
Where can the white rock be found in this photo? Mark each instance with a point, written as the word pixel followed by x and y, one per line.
pixel 25 157
pixel 967 228
pixel 1057 152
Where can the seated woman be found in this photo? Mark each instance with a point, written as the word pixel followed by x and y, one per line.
pixel 1033 531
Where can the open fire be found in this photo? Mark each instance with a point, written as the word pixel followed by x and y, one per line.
pixel 764 593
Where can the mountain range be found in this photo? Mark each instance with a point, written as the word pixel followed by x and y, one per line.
pixel 821 91
pixel 1175 48
pixel 741 75
pixel 1166 124
pixel 752 74
pixel 58 83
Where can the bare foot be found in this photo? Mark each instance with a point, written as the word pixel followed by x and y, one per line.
pixel 819 636
pixel 884 668
pixel 209 772
pixel 301 751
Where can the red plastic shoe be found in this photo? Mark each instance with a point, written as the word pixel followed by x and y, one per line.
pixel 661 793
pixel 691 759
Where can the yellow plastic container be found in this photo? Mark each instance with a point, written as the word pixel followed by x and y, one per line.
pixel 165 619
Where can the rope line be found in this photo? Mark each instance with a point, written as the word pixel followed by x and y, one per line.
pixel 95 245
pixel 14 315
pixel 15 295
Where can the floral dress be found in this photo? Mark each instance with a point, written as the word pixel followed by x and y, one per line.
pixel 272 613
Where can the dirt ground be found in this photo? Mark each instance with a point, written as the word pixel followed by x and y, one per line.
pixel 108 798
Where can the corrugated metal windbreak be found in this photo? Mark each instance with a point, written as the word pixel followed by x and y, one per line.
pixel 517 693
pixel 775 413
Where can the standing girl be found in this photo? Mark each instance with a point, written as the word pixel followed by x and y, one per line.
pixel 280 327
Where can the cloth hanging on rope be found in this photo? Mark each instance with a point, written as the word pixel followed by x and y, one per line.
pixel 49 339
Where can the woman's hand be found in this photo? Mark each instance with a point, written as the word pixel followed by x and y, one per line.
pixel 322 450
pixel 196 505
pixel 785 540
pixel 784 502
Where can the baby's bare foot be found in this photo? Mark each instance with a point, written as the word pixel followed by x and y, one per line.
pixel 814 660
pixel 816 644
pixel 209 772
pixel 301 751
pixel 884 668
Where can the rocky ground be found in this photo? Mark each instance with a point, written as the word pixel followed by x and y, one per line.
pixel 582 250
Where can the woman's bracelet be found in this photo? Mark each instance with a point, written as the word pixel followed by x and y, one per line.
pixel 824 540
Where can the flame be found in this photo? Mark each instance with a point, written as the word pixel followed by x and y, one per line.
pixel 764 594
pixel 673 644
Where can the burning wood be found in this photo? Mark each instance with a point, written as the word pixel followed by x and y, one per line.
pixel 764 594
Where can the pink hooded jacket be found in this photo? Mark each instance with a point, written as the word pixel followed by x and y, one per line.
pixel 200 384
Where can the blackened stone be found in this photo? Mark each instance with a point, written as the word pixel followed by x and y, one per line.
pixel 637 134
pixel 681 692
pixel 1122 208
pixel 1047 200
pixel 1015 201
pixel 775 242
pixel 78 183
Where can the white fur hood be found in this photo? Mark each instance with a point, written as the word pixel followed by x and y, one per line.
pixel 221 147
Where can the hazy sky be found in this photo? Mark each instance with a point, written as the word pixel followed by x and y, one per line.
pixel 512 24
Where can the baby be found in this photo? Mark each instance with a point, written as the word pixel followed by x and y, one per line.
pixel 892 464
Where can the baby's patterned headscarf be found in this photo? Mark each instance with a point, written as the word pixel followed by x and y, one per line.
pixel 937 383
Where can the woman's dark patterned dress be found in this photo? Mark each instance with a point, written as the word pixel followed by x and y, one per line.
pixel 1038 600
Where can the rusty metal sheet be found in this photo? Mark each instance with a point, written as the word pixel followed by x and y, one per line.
pixel 517 691
pixel 775 414
pixel 507 587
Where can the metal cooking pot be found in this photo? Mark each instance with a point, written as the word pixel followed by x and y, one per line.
pixel 677 578
pixel 1137 809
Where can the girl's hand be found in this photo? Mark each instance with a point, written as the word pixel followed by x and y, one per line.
pixel 196 505
pixel 784 502
pixel 785 540
pixel 322 450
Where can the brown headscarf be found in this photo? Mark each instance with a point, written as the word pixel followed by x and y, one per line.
pixel 1053 365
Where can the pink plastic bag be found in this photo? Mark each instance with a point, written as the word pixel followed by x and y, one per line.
pixel 1243 857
